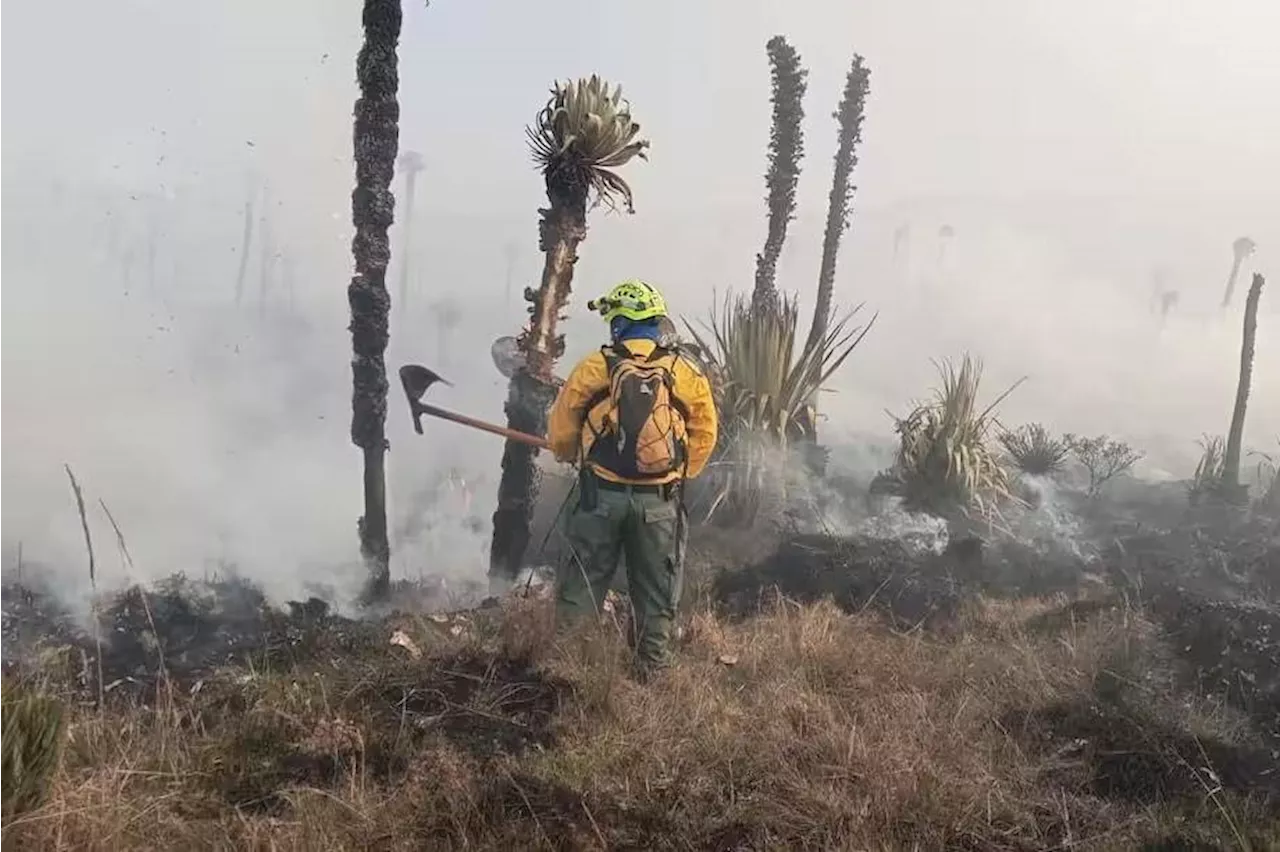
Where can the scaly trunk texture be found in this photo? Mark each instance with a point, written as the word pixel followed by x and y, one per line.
pixel 528 400
pixel 1231 280
pixel 561 228
pixel 849 118
pixel 245 239
pixel 1231 489
pixel 786 149
pixel 376 138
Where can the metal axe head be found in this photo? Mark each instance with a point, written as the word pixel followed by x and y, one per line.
pixel 416 379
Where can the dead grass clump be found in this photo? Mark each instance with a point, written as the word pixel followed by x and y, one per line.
pixel 803 727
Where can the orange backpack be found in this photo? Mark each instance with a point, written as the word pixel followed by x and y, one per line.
pixel 642 431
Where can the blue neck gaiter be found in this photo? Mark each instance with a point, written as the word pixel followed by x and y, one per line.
pixel 621 328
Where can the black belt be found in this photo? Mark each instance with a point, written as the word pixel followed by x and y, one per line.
pixel 664 489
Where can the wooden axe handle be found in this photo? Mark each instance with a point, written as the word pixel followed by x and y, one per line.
pixel 493 428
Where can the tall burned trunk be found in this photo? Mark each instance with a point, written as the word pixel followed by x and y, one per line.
pixel 266 254
pixel 245 239
pixel 849 118
pixel 562 227
pixel 376 138
pixel 786 149
pixel 1241 248
pixel 1231 279
pixel 290 282
pixel 1231 489
pixel 901 240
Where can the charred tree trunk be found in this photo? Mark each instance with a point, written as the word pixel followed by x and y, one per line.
pixel 245 239
pixel 376 139
pixel 849 117
pixel 290 282
pixel 1241 248
pixel 901 240
pixel 786 149
pixel 266 252
pixel 1231 280
pixel 563 226
pixel 528 400
pixel 561 229
pixel 1231 489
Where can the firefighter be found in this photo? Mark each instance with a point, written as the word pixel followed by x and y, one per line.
pixel 639 419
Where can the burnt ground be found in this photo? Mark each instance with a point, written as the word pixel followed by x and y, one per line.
pixel 298 697
pixel 908 585
pixel 380 712
pixel 182 629
pixel 1214 596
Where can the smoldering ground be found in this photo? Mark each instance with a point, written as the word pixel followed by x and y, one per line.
pixel 218 435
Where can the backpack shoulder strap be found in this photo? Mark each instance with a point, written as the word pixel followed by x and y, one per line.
pixel 658 353
pixel 615 352
pixel 676 356
pixel 613 355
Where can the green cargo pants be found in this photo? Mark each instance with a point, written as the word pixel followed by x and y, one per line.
pixel 647 527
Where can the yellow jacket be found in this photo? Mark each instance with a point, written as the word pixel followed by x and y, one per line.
pixel 569 438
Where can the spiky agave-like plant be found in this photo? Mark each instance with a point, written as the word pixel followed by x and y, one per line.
pixel 946 464
pixel 1207 479
pixel 1034 451
pixel 579 138
pixel 32 741
pixel 764 384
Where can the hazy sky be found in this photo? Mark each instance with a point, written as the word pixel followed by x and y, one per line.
pixel 1074 148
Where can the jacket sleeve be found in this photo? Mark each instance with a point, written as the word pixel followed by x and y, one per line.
pixel 564 424
pixel 702 425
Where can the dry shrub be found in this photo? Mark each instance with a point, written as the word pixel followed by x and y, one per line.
pixel 1103 457
pixel 1034 451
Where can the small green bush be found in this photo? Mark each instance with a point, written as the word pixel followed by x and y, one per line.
pixel 32 741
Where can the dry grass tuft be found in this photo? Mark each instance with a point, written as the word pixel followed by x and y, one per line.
pixel 1035 724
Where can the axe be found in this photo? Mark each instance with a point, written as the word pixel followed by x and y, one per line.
pixel 417 379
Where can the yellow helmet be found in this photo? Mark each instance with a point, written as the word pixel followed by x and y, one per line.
pixel 633 299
